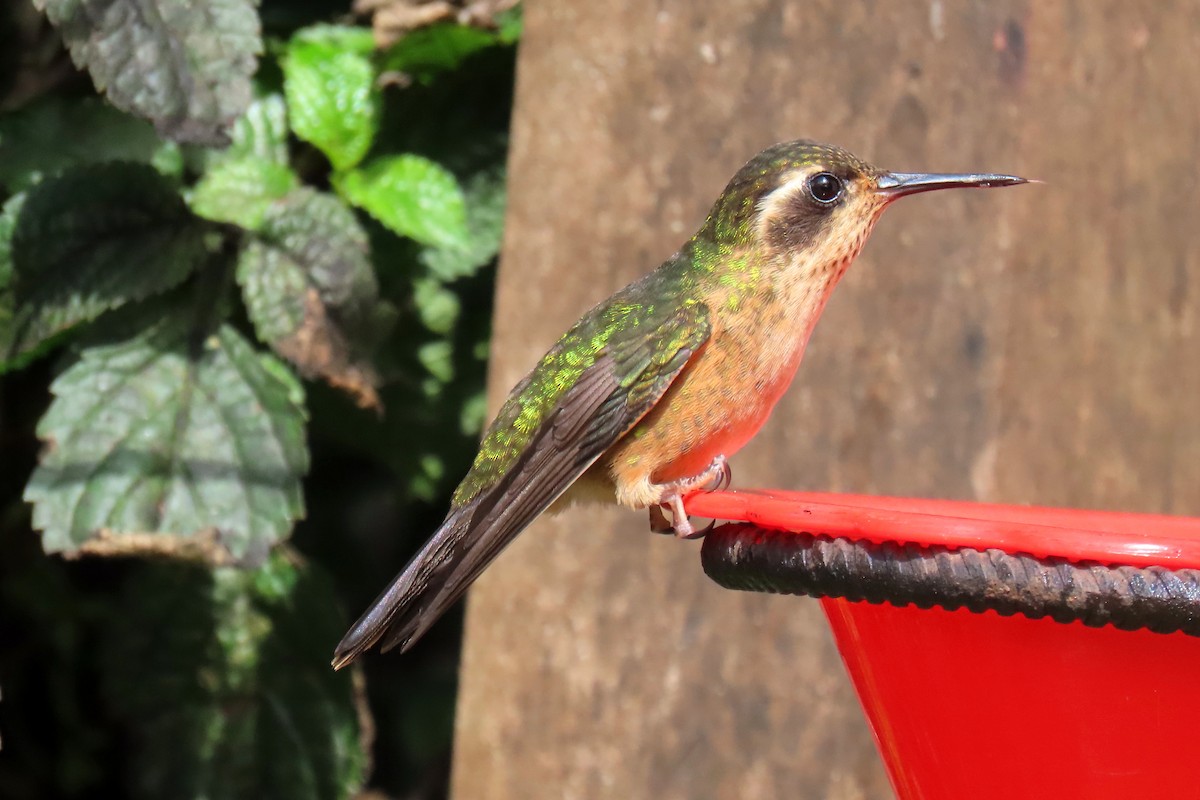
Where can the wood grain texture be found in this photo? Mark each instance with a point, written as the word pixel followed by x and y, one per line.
pixel 1024 345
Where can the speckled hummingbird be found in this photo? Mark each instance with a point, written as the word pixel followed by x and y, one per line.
pixel 642 401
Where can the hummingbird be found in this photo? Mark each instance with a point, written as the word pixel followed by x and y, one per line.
pixel 645 398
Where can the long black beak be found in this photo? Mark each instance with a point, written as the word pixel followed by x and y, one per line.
pixel 899 184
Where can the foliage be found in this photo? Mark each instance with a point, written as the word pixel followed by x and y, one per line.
pixel 166 431
pixel 184 66
pixel 264 717
pixel 329 81
pixel 243 280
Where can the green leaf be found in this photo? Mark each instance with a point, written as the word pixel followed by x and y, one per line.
pixel 427 477
pixel 8 222
pixel 330 86
pixel 348 38
pixel 221 681
pixel 510 24
pixel 425 52
pixel 484 194
pixel 55 133
pixel 180 439
pixel 311 292
pixel 438 358
pixel 186 67
pixel 241 191
pixel 93 239
pixel 261 133
pixel 413 197
pixel 437 306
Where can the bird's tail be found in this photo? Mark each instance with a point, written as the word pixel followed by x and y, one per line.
pixel 589 417
pixel 436 577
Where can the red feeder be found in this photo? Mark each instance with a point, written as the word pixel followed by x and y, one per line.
pixel 967 705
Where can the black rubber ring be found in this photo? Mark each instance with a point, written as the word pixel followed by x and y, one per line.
pixel 742 556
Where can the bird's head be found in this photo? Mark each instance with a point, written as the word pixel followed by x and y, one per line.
pixel 816 203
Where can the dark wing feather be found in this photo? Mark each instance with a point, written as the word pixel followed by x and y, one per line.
pixel 604 403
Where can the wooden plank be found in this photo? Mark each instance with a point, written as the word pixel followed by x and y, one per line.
pixel 1025 345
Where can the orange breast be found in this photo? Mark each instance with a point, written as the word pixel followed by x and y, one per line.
pixel 719 402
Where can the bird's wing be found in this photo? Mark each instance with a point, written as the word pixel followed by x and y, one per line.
pixel 620 385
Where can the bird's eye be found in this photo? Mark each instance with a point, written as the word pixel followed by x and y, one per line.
pixel 825 187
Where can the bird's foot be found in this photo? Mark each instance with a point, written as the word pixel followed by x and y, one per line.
pixel 717 476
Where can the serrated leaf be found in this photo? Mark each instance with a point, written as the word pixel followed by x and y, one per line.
pixel 485 198
pixel 412 196
pixel 93 239
pixel 330 86
pixel 221 681
pixel 55 133
pixel 181 433
pixel 186 67
pixel 241 191
pixel 261 133
pixel 311 292
pixel 424 52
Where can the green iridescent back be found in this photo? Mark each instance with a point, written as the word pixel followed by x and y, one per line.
pixel 645 311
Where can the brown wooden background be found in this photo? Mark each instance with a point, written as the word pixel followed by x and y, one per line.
pixel 1025 345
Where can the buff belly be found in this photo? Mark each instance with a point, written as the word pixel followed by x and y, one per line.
pixel 714 408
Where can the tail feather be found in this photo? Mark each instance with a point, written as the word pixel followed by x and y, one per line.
pixel 415 599
pixel 474 534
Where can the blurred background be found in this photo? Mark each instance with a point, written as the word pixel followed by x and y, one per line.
pixel 1026 346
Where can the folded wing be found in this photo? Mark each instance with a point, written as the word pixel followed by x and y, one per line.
pixel 623 382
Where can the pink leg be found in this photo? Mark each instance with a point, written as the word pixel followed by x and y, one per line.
pixel 717 476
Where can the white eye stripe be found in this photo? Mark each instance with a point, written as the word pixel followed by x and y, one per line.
pixel 787 189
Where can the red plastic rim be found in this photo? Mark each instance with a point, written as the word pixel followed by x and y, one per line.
pixel 1107 537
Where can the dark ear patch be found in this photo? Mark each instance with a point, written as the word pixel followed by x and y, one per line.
pixel 798 222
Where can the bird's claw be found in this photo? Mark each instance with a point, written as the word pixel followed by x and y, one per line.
pixel 725 478
pixel 718 476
